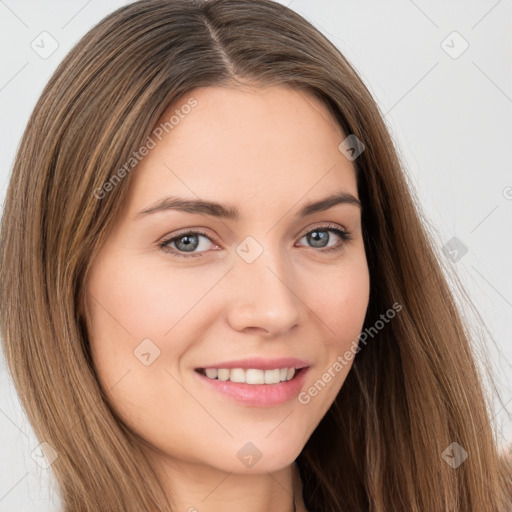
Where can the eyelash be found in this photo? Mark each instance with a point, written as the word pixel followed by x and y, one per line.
pixel 344 235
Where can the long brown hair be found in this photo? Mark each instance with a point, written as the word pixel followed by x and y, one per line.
pixel 413 390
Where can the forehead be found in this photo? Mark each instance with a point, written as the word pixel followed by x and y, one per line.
pixel 261 145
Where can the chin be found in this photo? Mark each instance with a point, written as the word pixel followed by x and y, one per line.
pixel 263 455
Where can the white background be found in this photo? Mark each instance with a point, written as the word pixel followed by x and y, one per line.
pixel 450 117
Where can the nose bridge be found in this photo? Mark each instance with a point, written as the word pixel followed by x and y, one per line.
pixel 264 287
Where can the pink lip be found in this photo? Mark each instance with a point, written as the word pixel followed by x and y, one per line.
pixel 259 395
pixel 260 363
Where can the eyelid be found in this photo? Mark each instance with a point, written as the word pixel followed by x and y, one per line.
pixel 188 231
pixel 322 225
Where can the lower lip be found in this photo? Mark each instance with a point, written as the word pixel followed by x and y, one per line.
pixel 259 395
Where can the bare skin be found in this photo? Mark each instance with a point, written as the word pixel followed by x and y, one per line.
pixel 267 152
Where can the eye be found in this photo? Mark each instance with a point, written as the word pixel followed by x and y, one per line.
pixel 185 244
pixel 320 236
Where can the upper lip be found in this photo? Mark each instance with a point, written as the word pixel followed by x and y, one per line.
pixel 260 363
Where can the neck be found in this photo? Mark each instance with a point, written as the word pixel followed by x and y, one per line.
pixel 198 488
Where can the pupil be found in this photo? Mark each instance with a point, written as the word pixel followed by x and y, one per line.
pixel 189 244
pixel 319 236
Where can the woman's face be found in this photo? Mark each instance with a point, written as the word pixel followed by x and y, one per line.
pixel 271 286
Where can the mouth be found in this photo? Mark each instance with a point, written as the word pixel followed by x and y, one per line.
pixel 278 382
pixel 251 376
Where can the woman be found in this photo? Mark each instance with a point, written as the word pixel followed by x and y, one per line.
pixel 217 292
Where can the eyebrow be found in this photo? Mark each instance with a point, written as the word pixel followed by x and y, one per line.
pixel 199 206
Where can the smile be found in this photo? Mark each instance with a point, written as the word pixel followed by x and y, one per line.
pixel 251 376
pixel 252 386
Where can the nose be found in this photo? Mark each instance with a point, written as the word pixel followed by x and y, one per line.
pixel 263 298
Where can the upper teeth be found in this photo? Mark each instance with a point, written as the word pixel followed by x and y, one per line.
pixel 251 375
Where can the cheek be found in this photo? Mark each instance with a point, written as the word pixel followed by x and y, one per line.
pixel 341 301
pixel 347 317
pixel 132 301
pixel 146 299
